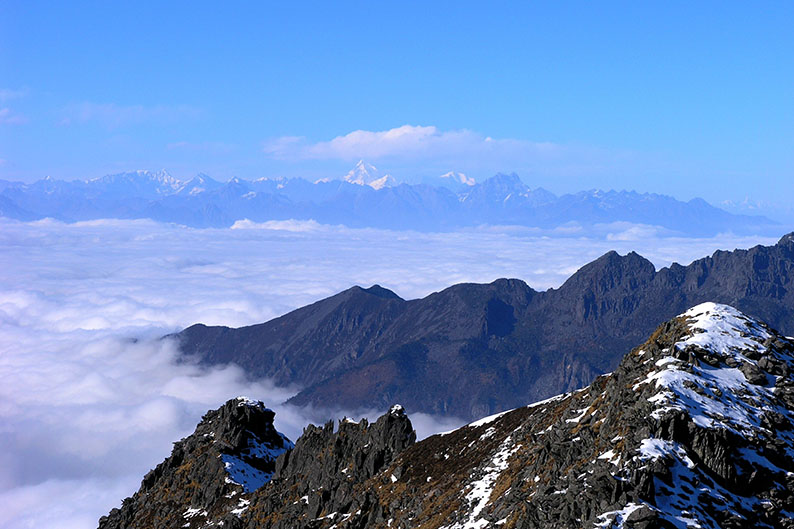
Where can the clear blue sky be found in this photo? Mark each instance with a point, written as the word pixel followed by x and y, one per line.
pixel 683 98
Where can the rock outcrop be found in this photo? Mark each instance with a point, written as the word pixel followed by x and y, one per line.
pixel 328 472
pixel 232 453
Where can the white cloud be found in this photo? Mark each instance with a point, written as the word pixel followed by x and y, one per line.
pixel 407 141
pixel 285 225
pixel 410 151
pixel 112 115
pixel 85 411
pixel 9 117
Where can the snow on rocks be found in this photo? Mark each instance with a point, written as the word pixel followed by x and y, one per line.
pixel 479 491
pixel 717 374
pixel 397 409
pixel 240 469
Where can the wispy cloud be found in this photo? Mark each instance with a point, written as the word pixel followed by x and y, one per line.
pixel 112 115
pixel 6 94
pixel 9 117
pixel 407 141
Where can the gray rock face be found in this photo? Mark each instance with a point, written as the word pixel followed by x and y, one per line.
pixel 327 472
pixel 682 434
pixel 472 350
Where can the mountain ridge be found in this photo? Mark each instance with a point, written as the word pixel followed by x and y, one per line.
pixel 362 199
pixel 471 349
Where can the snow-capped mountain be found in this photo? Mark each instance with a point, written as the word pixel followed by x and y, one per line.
pixel 201 183
pixel 457 179
pixel 145 184
pixel 695 428
pixel 365 174
pixel 783 212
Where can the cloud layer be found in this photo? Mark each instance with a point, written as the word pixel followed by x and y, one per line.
pixel 85 410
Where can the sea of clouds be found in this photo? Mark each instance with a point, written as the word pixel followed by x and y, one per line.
pixel 91 399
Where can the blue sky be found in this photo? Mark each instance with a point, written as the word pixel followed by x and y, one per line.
pixel 687 99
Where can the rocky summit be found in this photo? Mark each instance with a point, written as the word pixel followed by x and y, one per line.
pixel 209 473
pixel 695 428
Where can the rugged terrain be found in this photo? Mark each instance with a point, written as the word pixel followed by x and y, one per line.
pixel 472 350
pixel 695 428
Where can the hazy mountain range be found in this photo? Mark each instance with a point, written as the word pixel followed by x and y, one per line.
pixel 363 198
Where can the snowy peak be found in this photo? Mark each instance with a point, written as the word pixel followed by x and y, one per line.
pixel 161 177
pixel 694 429
pixel 458 178
pixel 443 203
pixel 726 332
pixel 713 403
pixel 365 174
pixel 199 184
pixel 146 184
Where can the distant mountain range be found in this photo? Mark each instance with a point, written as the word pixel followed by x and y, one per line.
pixel 363 198
pixel 475 349
pixel 694 429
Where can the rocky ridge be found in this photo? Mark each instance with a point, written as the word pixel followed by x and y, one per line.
pixel 472 350
pixel 695 428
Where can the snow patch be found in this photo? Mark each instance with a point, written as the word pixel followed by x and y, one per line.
pixel 481 489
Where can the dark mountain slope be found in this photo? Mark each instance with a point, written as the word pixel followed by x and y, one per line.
pixel 471 349
pixel 290 348
pixel 695 428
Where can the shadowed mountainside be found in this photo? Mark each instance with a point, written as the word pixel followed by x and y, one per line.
pixel 475 349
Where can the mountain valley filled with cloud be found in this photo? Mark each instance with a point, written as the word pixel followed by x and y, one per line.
pixel 570 223
pixel 92 398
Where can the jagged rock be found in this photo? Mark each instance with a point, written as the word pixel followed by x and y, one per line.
pixel 323 473
pixel 753 373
